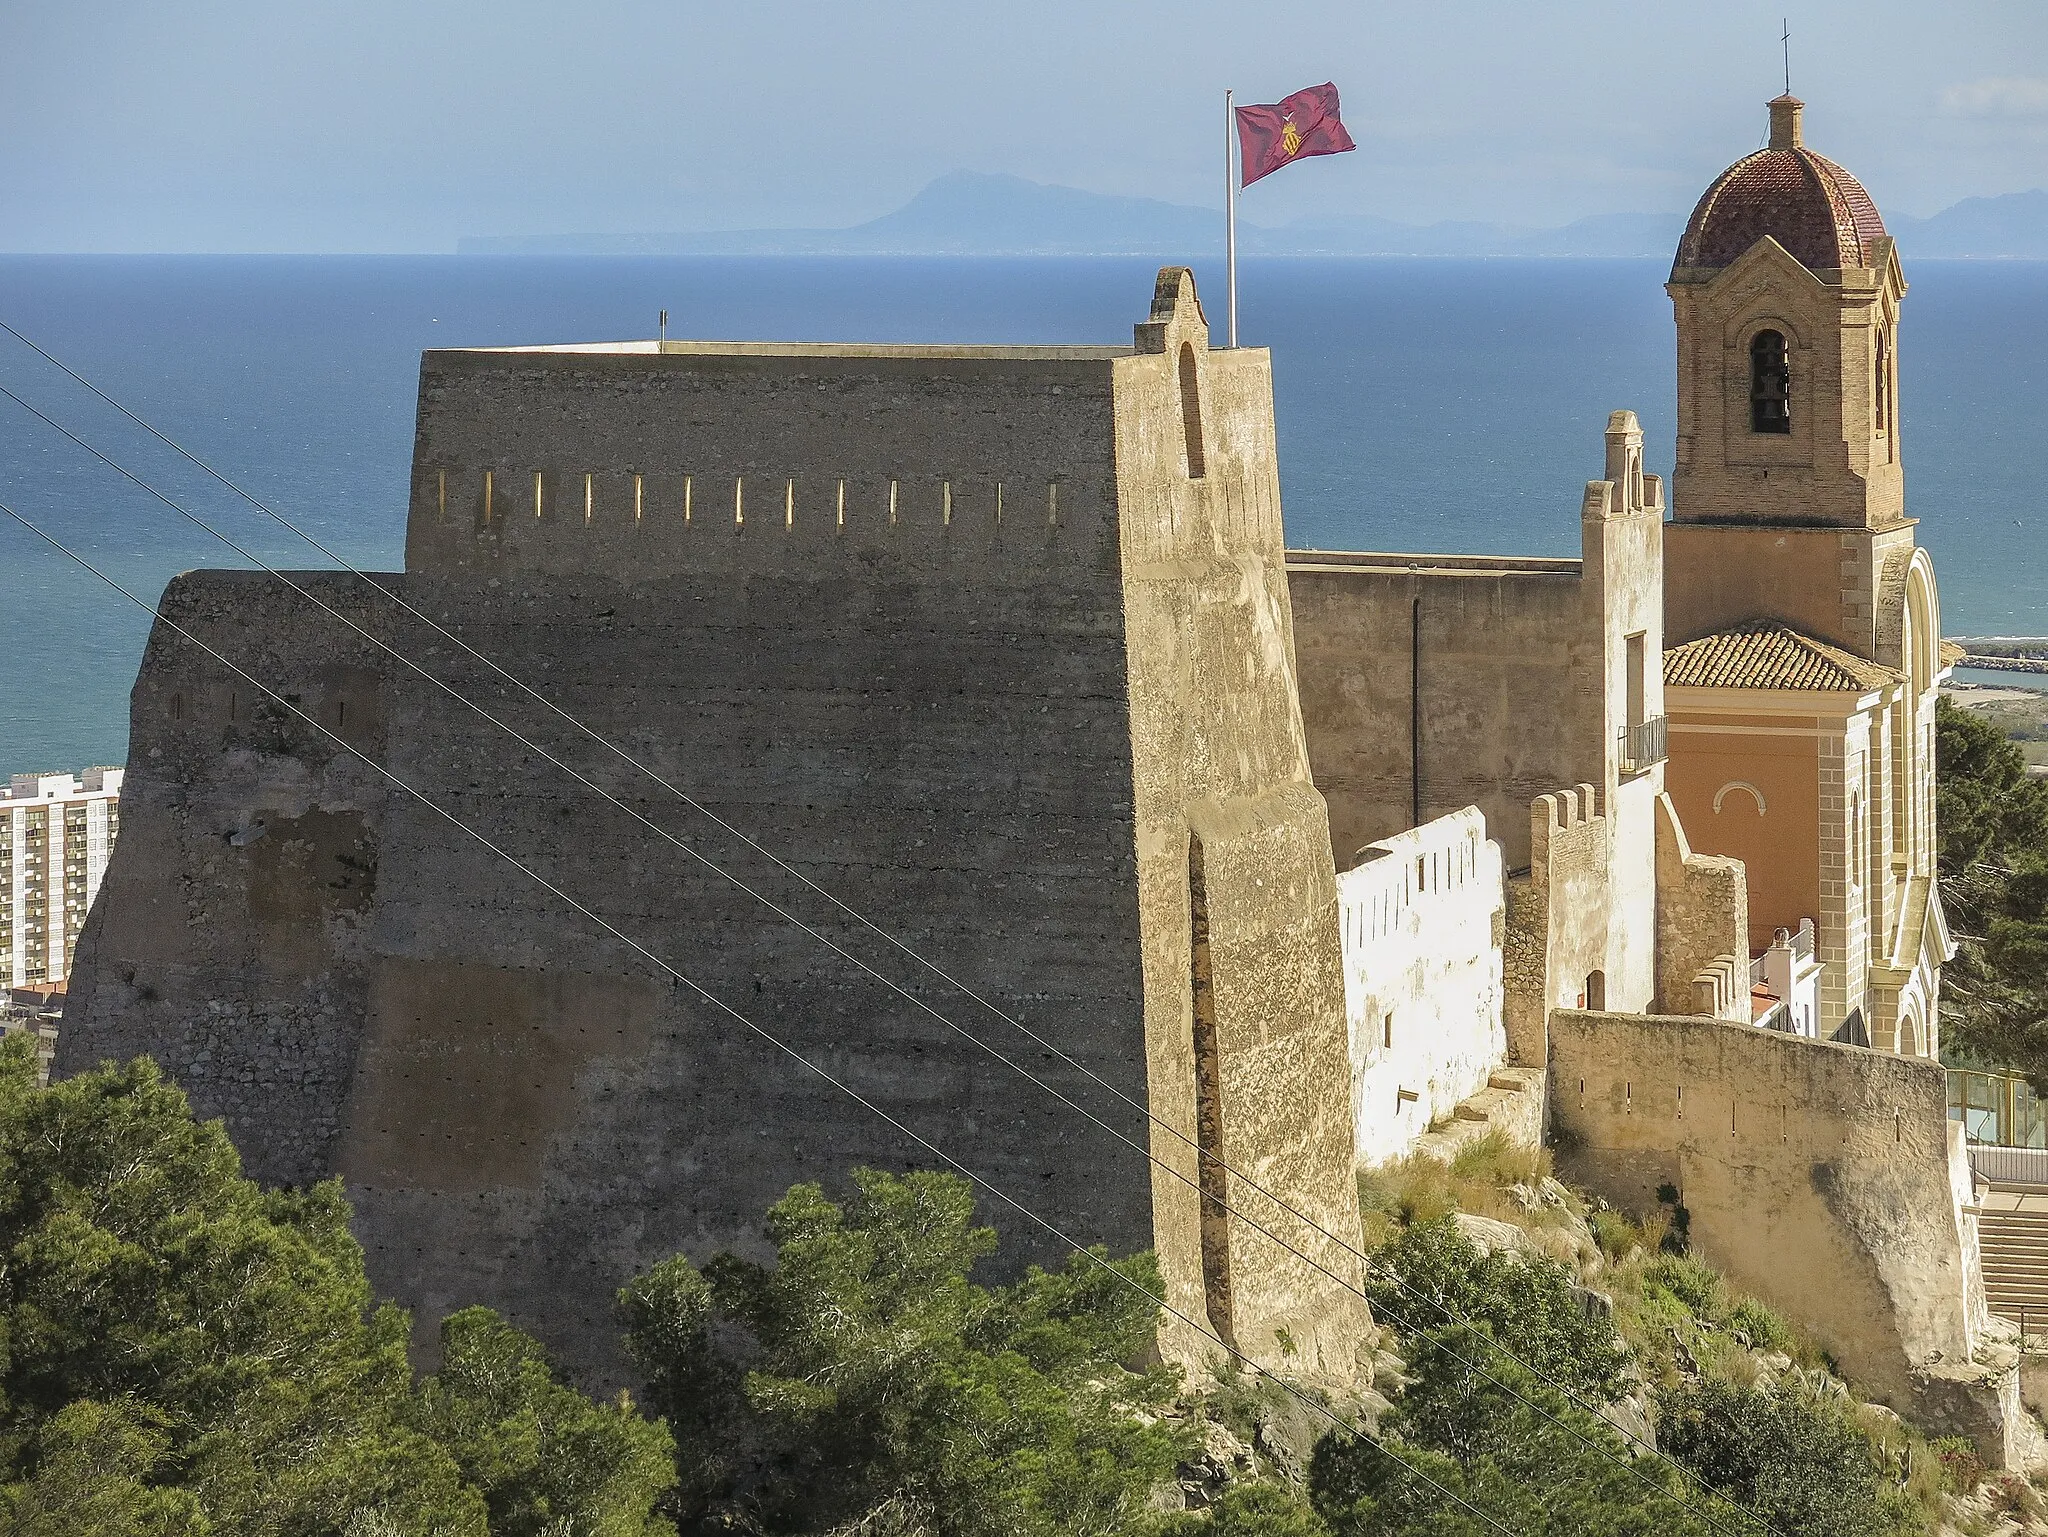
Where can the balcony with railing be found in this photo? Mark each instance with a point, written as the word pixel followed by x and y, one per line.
pixel 1644 746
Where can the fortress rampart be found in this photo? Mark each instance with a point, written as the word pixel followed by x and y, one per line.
pixel 1055 749
pixel 231 940
pixel 1826 1180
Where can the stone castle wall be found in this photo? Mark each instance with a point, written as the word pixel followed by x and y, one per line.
pixel 986 705
pixel 231 940
pixel 929 720
pixel 1434 660
pixel 1826 1180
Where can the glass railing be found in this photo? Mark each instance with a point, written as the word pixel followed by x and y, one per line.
pixel 1997 1109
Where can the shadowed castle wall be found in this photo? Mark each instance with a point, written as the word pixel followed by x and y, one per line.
pixel 231 937
pixel 928 717
pixel 900 614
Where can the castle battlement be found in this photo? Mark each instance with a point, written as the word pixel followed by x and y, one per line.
pixel 1400 881
pixel 649 523
pixel 1012 465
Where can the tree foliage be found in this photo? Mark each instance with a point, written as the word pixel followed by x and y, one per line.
pixel 1992 822
pixel 1476 1425
pixel 183 1352
pixel 541 1453
pixel 1430 1274
pixel 1526 1459
pixel 1250 1510
pixel 1800 1463
pixel 864 1371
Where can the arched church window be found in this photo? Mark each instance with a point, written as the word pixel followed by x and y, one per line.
pixel 1191 412
pixel 1770 383
pixel 1884 381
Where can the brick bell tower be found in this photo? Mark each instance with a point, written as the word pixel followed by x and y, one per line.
pixel 1786 290
pixel 1801 621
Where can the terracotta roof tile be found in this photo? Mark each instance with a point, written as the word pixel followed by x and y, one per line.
pixel 1767 655
pixel 1807 203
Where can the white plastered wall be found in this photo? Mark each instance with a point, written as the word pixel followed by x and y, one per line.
pixel 1421 922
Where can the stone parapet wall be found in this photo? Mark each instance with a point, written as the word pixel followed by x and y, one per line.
pixel 1423 926
pixel 1824 1179
pixel 651 465
pixel 1702 927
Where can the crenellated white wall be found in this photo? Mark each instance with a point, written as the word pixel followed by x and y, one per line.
pixel 1422 920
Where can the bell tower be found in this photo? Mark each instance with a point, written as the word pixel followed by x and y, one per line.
pixel 1786 291
pixel 1803 627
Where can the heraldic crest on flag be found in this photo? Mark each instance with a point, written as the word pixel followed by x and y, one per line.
pixel 1305 124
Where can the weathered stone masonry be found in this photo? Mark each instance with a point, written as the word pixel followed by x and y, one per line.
pixel 980 639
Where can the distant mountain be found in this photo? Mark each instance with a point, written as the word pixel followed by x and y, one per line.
pixel 968 213
pixel 2013 225
pixel 964 213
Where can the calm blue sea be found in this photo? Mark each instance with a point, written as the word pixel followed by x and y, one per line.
pixel 1423 405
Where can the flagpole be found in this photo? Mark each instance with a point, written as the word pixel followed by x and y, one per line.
pixel 1230 208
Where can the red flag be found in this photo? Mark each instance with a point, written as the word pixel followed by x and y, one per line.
pixel 1305 124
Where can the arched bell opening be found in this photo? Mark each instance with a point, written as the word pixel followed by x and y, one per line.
pixel 1770 383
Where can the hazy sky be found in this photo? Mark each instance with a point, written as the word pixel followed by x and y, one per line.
pixel 399 125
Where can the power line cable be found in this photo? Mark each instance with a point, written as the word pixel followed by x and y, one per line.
pixel 1620 1458
pixel 1438 1304
pixel 772 1039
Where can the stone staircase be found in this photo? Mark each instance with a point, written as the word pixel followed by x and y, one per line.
pixel 1511 1103
pixel 2014 1237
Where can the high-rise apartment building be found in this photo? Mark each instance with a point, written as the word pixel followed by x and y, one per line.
pixel 56 831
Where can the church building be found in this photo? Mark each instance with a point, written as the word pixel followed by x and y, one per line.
pixel 1800 615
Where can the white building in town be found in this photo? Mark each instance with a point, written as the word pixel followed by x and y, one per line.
pixel 56 831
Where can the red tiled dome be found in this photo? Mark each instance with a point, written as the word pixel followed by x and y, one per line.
pixel 1807 203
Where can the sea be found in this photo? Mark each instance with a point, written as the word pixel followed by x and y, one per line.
pixel 1427 405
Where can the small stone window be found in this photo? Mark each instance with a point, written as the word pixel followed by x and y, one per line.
pixel 1770 383
pixel 1883 398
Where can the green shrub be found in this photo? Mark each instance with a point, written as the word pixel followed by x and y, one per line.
pixel 1763 1329
pixel 865 1372
pixel 2012 1495
pixel 1499 1162
pixel 1614 1233
pixel 1961 1468
pixel 1432 1273
pixel 1248 1510
pixel 1802 1466
pixel 1551 1468
pixel 1697 1285
pixel 1409 1190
